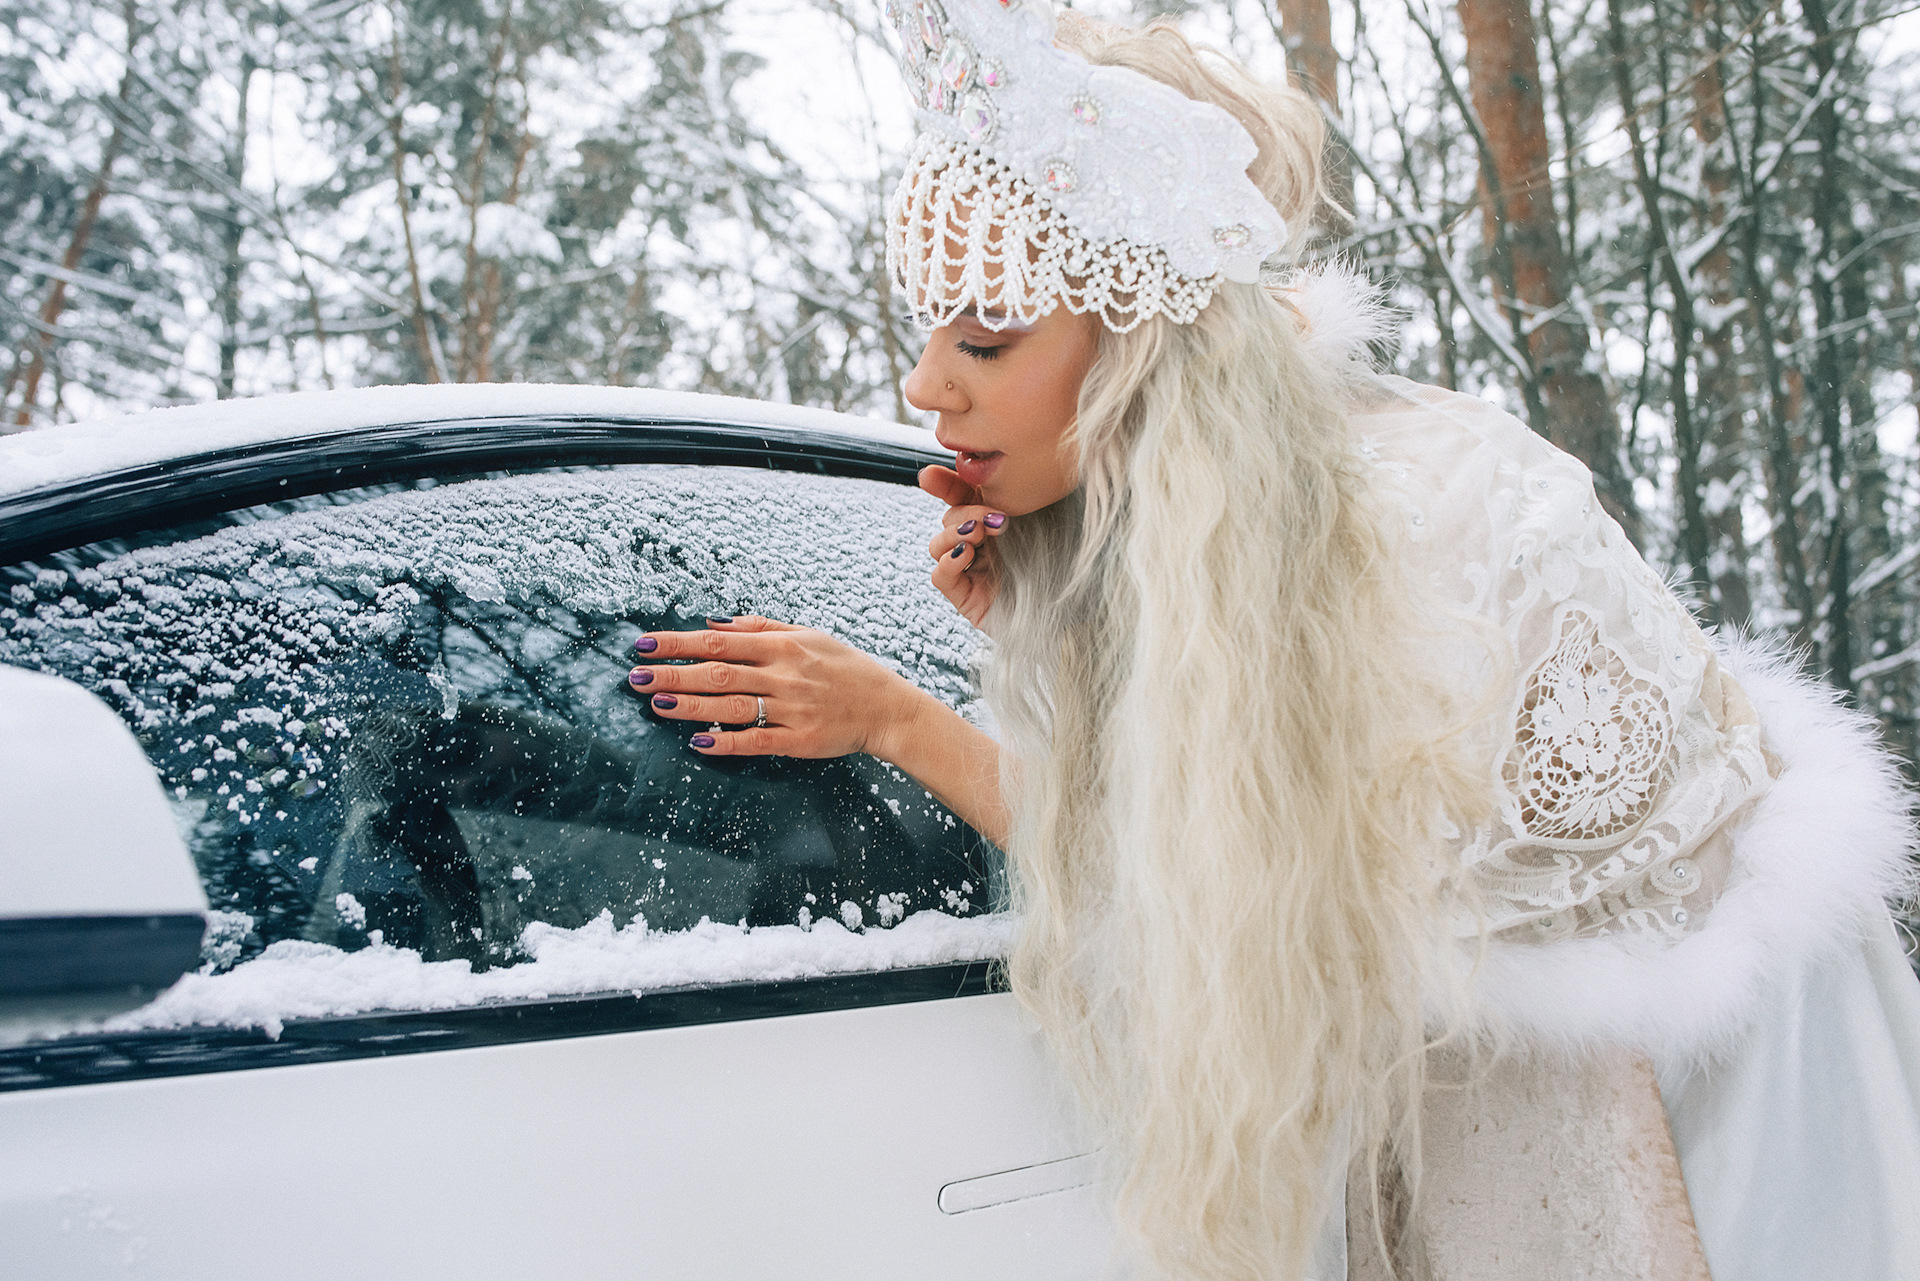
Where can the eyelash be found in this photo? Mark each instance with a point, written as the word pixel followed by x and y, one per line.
pixel 978 353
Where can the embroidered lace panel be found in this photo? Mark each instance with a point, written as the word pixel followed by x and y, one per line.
pixel 1624 752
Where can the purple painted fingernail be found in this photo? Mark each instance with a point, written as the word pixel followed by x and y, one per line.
pixel 720 620
pixel 996 519
pixel 640 676
pixel 967 528
pixel 703 740
pixel 665 700
pixel 646 645
pixel 958 550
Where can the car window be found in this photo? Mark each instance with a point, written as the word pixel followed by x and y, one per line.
pixel 397 718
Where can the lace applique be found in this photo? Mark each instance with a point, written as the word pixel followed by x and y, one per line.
pixel 1624 751
pixel 1593 743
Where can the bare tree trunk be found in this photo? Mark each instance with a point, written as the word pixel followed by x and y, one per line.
pixel 1305 28
pixel 1569 142
pixel 475 362
pixel 1503 73
pixel 630 327
pixel 1686 437
pixel 1495 223
pixel 42 338
pixel 430 361
pixel 487 296
pixel 897 364
pixel 1722 390
pixel 1783 465
pixel 231 234
pixel 1833 348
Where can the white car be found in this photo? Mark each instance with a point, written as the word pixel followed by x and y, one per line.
pixel 408 943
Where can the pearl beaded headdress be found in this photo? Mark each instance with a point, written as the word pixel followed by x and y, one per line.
pixel 1040 178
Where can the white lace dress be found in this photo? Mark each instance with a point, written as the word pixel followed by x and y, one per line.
pixel 1691 861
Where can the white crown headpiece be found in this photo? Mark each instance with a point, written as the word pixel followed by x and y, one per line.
pixel 1039 177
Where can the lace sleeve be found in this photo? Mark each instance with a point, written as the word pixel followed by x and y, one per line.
pixel 1623 749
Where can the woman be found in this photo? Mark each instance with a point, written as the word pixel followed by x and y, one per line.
pixel 1337 718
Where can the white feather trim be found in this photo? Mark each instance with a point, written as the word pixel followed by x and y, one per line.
pixel 1346 315
pixel 1824 850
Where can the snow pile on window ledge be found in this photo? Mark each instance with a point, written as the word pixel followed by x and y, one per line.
pixel 299 980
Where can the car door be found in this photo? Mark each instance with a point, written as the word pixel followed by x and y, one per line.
pixel 501 979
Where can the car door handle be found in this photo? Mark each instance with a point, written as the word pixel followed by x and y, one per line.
pixel 1017 1185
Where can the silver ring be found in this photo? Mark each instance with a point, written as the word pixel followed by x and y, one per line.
pixel 760 721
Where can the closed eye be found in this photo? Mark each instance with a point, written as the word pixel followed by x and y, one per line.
pixel 966 348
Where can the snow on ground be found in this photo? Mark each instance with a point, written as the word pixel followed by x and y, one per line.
pixel 300 980
pixel 74 451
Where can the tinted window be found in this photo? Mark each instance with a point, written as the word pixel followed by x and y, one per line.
pixel 402 716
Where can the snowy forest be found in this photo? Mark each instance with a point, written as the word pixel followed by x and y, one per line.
pixel 1678 237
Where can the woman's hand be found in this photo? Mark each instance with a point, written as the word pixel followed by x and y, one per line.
pixel 965 568
pixel 822 698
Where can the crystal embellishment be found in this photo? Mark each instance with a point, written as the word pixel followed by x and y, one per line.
pixel 1086 110
pixel 992 76
pixel 1058 175
pixel 1236 235
pixel 939 97
pixel 956 64
pixel 977 118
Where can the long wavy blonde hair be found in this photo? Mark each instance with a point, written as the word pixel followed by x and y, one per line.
pixel 1233 780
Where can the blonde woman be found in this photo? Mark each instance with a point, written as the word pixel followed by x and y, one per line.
pixel 1338 721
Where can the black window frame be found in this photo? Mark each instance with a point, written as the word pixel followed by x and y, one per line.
pixel 137 500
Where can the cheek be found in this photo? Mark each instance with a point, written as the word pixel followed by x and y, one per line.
pixel 1049 461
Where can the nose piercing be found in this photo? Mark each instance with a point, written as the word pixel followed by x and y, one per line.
pixel 949 386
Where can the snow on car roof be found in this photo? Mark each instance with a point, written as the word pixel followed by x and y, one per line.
pixel 71 452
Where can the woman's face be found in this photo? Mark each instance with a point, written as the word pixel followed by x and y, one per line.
pixel 1006 398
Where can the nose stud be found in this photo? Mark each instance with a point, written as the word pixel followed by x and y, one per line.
pixel 949 386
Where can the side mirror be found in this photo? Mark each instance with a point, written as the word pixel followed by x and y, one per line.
pixel 100 903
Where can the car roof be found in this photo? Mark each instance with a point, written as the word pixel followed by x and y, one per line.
pixel 66 453
pixel 79 483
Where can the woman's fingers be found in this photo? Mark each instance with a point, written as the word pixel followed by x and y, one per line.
pixel 746 742
pixel 945 484
pixel 725 709
pixel 950 577
pixel 971 525
pixel 742 639
pixel 704 678
pixel 968 581
pixel 822 697
pixel 949 569
pixel 749 623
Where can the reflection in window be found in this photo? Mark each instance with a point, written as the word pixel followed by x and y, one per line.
pixel 403 715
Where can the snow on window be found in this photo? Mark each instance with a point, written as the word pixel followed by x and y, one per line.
pixel 395 720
